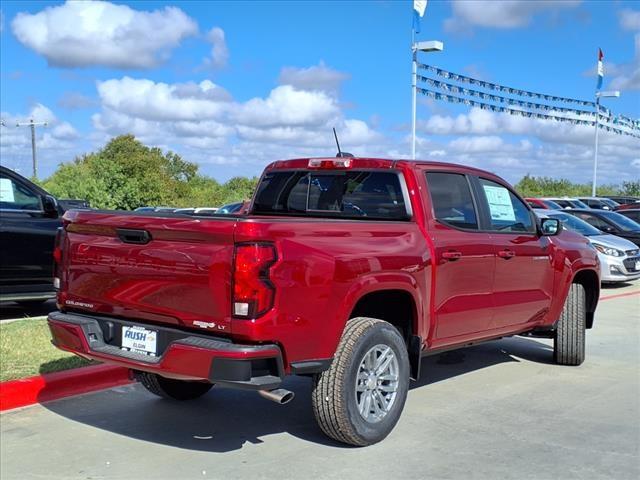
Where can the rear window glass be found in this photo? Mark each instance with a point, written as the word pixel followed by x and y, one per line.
pixel 348 194
pixel 452 200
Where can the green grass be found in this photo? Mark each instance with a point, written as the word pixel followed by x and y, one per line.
pixel 26 350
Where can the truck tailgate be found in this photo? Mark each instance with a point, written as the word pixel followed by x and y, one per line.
pixel 178 272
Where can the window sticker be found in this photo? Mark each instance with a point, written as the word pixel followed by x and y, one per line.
pixel 500 204
pixel 6 190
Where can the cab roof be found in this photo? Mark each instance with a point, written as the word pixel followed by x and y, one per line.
pixel 373 162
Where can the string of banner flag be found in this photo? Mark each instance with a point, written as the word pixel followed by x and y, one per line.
pixel 443 90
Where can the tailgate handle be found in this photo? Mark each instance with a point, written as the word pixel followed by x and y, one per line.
pixel 139 237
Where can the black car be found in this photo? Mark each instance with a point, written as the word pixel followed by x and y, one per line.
pixel 632 213
pixel 622 199
pixel 610 222
pixel 29 219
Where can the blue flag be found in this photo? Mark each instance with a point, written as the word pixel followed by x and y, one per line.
pixel 419 6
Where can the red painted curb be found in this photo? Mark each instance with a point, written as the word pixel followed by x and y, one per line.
pixel 52 386
pixel 618 295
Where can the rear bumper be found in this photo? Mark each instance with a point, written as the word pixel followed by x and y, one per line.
pixel 186 356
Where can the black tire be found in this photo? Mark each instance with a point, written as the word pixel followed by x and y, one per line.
pixel 172 389
pixel 569 339
pixel 334 397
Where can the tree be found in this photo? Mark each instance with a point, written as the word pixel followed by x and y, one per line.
pixel 531 186
pixel 631 187
pixel 125 174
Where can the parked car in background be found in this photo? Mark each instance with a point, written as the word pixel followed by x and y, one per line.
pixel 567 202
pixel 29 219
pixel 610 222
pixel 612 203
pixel 541 203
pixel 599 203
pixel 347 270
pixel 619 258
pixel 155 209
pixel 236 207
pixel 202 211
pixel 629 205
pixel 632 213
pixel 622 199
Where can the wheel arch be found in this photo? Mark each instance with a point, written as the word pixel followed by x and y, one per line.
pixel 399 307
pixel 591 283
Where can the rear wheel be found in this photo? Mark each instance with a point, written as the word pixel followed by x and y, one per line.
pixel 360 398
pixel 172 389
pixel 569 339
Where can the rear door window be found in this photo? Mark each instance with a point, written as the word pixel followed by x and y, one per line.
pixel 507 213
pixel 452 200
pixel 348 194
pixel 593 220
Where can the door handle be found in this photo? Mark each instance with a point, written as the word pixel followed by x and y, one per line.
pixel 452 255
pixel 506 254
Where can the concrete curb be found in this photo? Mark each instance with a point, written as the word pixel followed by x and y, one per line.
pixel 52 386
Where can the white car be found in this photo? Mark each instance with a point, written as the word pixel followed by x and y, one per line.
pixel 619 258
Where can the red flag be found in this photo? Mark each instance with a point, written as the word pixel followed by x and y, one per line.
pixel 600 55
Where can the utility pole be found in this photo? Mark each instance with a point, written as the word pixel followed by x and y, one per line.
pixel 33 126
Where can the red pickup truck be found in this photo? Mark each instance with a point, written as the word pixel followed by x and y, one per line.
pixel 346 270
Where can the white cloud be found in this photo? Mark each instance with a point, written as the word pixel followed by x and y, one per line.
pixel 499 14
pixel 203 122
pixel 317 77
pixel 287 106
pixel 148 100
pixel 512 146
pixel 82 34
pixel 626 76
pixel 629 19
pixel 219 50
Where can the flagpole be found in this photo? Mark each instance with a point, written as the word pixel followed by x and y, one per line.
pixel 414 89
pixel 595 149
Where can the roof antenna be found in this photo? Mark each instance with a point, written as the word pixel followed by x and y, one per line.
pixel 340 154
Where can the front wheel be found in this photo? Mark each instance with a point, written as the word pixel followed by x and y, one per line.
pixel 172 389
pixel 359 399
pixel 569 339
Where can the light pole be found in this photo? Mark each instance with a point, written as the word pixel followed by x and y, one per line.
pixel 430 46
pixel 33 126
pixel 599 95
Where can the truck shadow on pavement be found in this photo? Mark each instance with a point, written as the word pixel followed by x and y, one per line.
pixel 225 420
pixel 16 311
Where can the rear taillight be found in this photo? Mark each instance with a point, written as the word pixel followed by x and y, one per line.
pixel 253 292
pixel 57 258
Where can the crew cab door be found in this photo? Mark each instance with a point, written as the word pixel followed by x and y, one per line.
pixel 27 237
pixel 524 276
pixel 464 259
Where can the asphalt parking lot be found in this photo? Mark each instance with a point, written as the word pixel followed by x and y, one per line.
pixel 499 410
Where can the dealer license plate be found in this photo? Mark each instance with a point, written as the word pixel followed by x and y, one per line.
pixel 637 264
pixel 140 340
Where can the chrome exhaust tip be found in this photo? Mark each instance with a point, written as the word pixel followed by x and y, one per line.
pixel 278 395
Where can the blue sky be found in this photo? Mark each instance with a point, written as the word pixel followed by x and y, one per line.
pixel 235 85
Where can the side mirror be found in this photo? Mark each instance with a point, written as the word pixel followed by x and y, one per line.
pixel 50 206
pixel 550 227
